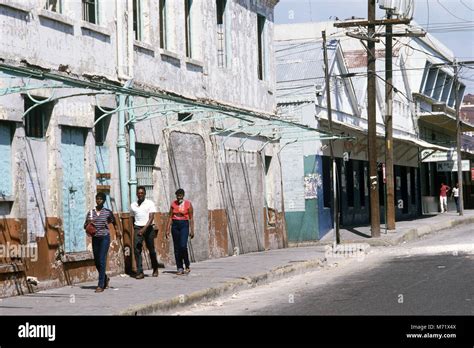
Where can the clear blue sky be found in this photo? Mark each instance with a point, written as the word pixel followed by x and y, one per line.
pixel 450 21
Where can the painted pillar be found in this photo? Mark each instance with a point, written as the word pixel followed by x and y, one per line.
pixel 122 155
pixel 132 138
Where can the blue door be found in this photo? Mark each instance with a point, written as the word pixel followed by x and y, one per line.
pixel 74 207
pixel 5 160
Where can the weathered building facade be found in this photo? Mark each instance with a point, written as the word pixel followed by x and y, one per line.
pixel 301 95
pixel 107 95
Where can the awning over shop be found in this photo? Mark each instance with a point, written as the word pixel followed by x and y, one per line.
pixel 421 143
pixel 445 121
pixel 413 141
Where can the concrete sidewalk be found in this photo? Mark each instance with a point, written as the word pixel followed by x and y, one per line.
pixel 208 279
pixel 405 230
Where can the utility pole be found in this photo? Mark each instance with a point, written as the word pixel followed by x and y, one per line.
pixel 457 103
pixel 333 173
pixel 371 38
pixel 458 138
pixel 372 119
pixel 390 189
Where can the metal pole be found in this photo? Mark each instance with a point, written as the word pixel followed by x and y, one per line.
pixel 372 135
pixel 458 139
pixel 389 186
pixel 385 199
pixel 122 155
pixel 132 151
pixel 333 161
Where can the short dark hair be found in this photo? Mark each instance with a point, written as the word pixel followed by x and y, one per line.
pixel 141 188
pixel 101 195
pixel 179 191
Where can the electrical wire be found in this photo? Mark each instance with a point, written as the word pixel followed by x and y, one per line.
pixel 462 2
pixel 416 49
pixel 452 14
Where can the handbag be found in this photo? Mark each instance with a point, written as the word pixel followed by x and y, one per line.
pixel 90 227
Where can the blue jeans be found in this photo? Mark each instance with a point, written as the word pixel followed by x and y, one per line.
pixel 180 232
pixel 100 248
pixel 148 237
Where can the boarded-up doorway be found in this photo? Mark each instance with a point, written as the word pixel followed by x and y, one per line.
pixel 187 155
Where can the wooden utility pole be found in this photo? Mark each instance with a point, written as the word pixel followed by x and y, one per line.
pixel 372 123
pixel 333 170
pixel 457 103
pixel 371 39
pixel 390 199
pixel 458 138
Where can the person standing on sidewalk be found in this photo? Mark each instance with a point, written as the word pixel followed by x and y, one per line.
pixel 443 197
pixel 143 214
pixel 101 217
pixel 456 196
pixel 181 217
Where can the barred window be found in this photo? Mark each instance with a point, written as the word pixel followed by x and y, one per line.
pixel 145 164
pixel 188 26
pixel 137 20
pixel 221 32
pixel 37 119
pixel 90 11
pixel 163 41
pixel 261 46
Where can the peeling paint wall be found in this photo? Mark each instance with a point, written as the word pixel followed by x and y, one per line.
pixel 64 42
pixel 227 193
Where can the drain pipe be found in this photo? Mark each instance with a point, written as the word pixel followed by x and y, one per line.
pixel 122 147
pixel 122 154
pixel 132 153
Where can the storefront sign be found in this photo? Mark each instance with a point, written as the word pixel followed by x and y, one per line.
pixel 436 156
pixel 452 166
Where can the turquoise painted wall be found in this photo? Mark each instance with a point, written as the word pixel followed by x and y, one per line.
pixel 5 159
pixel 303 225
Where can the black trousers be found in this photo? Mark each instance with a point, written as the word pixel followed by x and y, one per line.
pixel 180 233
pixel 148 237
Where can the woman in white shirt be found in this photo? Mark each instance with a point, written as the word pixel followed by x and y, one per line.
pixel 456 196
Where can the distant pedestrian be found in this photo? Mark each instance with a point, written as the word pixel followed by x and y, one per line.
pixel 143 215
pixel 101 217
pixel 182 225
pixel 456 196
pixel 443 200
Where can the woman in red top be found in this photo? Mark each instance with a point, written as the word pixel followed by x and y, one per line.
pixel 181 214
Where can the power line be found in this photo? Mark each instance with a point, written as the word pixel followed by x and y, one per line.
pixel 462 2
pixel 416 49
pixel 396 90
pixel 452 14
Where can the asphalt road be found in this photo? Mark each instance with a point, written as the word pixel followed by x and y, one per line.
pixel 430 276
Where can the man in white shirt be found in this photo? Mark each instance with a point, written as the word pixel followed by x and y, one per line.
pixel 143 214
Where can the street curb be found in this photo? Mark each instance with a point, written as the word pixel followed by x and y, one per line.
pixel 415 233
pixel 281 272
pixel 182 301
pixel 408 235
